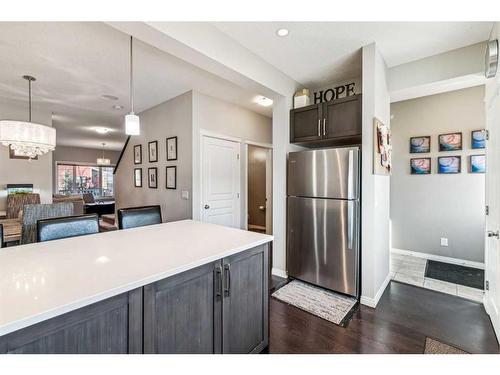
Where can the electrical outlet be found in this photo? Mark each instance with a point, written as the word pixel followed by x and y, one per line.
pixel 444 241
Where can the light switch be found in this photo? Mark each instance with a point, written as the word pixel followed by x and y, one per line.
pixel 185 194
pixel 444 241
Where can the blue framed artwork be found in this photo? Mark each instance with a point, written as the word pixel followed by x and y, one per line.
pixel 477 164
pixel 420 145
pixel 478 139
pixel 420 166
pixel 450 142
pixel 449 164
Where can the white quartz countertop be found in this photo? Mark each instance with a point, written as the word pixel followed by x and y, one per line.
pixel 43 280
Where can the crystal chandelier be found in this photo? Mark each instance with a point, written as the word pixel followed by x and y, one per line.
pixel 103 160
pixel 27 138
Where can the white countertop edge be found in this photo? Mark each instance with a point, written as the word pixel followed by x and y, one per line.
pixel 46 315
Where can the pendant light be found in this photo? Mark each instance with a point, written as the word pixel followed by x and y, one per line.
pixel 103 160
pixel 27 138
pixel 132 123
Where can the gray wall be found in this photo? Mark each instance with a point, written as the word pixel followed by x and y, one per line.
pixel 426 208
pixel 171 118
pixel 79 155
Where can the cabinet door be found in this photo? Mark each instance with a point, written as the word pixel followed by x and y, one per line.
pixel 245 304
pixel 342 117
pixel 112 326
pixel 182 314
pixel 305 123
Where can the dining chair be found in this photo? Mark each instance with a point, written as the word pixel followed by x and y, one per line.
pixel 65 227
pixel 1 236
pixel 16 203
pixel 34 212
pixel 138 216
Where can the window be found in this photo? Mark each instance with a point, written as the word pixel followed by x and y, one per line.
pixel 79 179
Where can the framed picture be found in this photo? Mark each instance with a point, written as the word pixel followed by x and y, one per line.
pixel 153 151
pixel 450 142
pixel 171 148
pixel 420 144
pixel 449 164
pixel 478 139
pixel 420 166
pixel 382 148
pixel 137 154
pixel 477 164
pixel 138 177
pixel 14 155
pixel 153 178
pixel 172 177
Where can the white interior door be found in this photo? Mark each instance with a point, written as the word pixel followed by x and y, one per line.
pixel 220 182
pixel 492 256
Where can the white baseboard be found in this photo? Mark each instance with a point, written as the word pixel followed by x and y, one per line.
pixel 279 273
pixel 372 302
pixel 439 258
pixel 490 310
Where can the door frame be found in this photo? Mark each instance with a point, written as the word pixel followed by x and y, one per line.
pixel 269 185
pixel 210 134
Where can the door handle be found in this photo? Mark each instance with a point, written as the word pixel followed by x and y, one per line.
pixel 494 234
pixel 227 274
pixel 218 281
pixel 350 224
pixel 207 207
pixel 324 126
pixel 319 127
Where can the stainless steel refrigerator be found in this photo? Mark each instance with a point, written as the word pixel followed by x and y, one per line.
pixel 323 218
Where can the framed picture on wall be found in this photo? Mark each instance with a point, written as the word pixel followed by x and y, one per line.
pixel 450 142
pixel 137 154
pixel 420 144
pixel 478 139
pixel 171 177
pixel 153 178
pixel 138 177
pixel 153 151
pixel 477 164
pixel 14 155
pixel 171 148
pixel 420 166
pixel 449 164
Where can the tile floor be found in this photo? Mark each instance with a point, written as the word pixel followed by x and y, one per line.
pixel 411 270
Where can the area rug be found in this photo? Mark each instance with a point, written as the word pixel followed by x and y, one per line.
pixel 437 347
pixel 334 307
pixel 456 274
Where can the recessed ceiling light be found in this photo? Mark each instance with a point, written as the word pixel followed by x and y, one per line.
pixel 263 101
pixel 109 97
pixel 282 32
pixel 102 130
pixel 117 107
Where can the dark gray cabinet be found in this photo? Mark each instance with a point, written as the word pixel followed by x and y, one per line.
pixel 219 307
pixel 337 122
pixel 110 326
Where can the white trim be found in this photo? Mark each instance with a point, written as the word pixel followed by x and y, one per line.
pixel 491 313
pixel 279 273
pixel 372 302
pixel 259 144
pixel 209 133
pixel 439 258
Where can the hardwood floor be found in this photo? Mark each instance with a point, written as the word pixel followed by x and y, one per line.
pixel 404 317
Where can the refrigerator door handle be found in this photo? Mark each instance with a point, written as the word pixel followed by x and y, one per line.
pixel 319 127
pixel 350 175
pixel 350 224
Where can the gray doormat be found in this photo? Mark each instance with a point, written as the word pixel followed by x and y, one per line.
pixel 334 307
pixel 437 347
pixel 456 274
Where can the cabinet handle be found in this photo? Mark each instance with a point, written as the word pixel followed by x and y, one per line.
pixel 218 281
pixel 324 126
pixel 227 273
pixel 319 127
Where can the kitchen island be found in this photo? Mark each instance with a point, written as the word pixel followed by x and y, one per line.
pixel 180 287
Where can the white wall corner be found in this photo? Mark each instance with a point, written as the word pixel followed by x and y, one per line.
pixel 279 273
pixel 372 302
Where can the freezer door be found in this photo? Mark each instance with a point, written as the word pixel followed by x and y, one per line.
pixel 323 242
pixel 330 173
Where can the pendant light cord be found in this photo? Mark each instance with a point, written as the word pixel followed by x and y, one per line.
pixel 131 77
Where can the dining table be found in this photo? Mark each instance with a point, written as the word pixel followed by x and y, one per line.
pixel 11 230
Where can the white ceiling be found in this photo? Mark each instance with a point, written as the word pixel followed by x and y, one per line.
pixel 75 63
pixel 317 53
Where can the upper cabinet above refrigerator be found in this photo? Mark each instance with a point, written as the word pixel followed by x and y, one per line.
pixel 333 123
